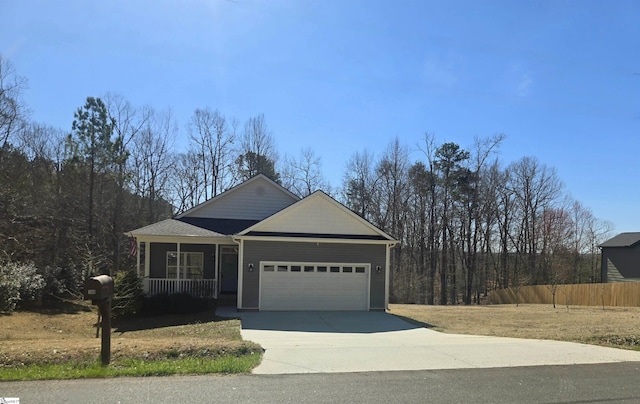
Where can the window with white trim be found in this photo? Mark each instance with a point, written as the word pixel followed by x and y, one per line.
pixel 191 265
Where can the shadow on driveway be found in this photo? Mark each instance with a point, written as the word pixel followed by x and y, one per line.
pixel 354 322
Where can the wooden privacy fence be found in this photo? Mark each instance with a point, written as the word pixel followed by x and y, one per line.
pixel 586 294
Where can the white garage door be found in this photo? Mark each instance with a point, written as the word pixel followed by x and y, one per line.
pixel 314 286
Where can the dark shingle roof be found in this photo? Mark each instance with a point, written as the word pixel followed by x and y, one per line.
pixel 222 226
pixel 622 240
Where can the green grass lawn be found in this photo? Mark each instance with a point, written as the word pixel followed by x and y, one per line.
pixel 63 345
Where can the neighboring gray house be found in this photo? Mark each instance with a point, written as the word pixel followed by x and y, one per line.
pixel 271 249
pixel 621 258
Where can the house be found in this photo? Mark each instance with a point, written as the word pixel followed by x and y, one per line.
pixel 271 249
pixel 621 258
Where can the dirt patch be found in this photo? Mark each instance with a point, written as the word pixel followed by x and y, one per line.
pixel 62 335
pixel 614 326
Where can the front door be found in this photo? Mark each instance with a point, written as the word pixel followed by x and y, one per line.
pixel 229 270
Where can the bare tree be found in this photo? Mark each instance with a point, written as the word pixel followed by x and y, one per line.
pixel 152 161
pixel 41 141
pixel 258 153
pixel 303 175
pixel 186 182
pixel 213 140
pixel 536 188
pixel 360 183
pixel 392 197
pixel 473 217
pixel 13 112
pixel 128 121
pixel 429 151
pixel 418 227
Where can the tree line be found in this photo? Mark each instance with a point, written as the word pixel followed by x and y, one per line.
pixel 467 223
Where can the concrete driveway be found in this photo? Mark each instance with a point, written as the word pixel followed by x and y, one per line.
pixel 319 342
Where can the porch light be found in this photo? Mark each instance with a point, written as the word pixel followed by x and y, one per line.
pixel 378 269
pixel 251 267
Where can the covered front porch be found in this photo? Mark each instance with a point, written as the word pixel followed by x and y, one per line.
pixel 198 269
pixel 204 264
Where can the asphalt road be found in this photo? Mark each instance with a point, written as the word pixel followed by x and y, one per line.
pixel 599 383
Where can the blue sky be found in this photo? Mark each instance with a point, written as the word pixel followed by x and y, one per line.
pixel 559 78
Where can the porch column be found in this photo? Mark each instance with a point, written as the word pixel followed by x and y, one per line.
pixel 138 258
pixel 240 271
pixel 178 267
pixel 147 258
pixel 386 277
pixel 216 267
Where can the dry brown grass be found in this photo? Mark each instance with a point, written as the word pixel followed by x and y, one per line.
pixel 615 326
pixel 69 334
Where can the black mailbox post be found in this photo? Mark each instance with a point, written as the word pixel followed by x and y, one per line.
pixel 99 289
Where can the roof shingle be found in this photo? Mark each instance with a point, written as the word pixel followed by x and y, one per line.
pixel 622 240
pixel 172 227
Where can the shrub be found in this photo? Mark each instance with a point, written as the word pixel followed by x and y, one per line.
pixel 19 284
pixel 9 290
pixel 128 294
pixel 53 280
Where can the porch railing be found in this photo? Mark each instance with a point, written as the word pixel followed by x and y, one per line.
pixel 195 287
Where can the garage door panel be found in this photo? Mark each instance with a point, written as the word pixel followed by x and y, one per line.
pixel 280 290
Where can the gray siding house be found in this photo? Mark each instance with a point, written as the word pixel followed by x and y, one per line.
pixel 621 258
pixel 270 249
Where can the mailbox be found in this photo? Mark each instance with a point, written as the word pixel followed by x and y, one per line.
pixel 98 289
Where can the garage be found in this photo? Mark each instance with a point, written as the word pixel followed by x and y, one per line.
pixel 314 286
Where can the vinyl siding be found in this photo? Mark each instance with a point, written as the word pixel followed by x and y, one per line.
pixel 621 263
pixel 256 251
pixel 317 214
pixel 158 258
pixel 254 201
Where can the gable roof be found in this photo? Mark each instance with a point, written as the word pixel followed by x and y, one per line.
pixel 623 240
pixel 317 216
pixel 260 188
pixel 173 227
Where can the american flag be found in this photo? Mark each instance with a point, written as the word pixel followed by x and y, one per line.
pixel 133 246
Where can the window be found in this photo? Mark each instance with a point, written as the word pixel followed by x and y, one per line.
pixel 348 269
pixel 191 265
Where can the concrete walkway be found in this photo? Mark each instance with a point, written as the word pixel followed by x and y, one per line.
pixel 319 342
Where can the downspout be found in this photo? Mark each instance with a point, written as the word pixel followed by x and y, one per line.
pixel 604 270
pixel 387 276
